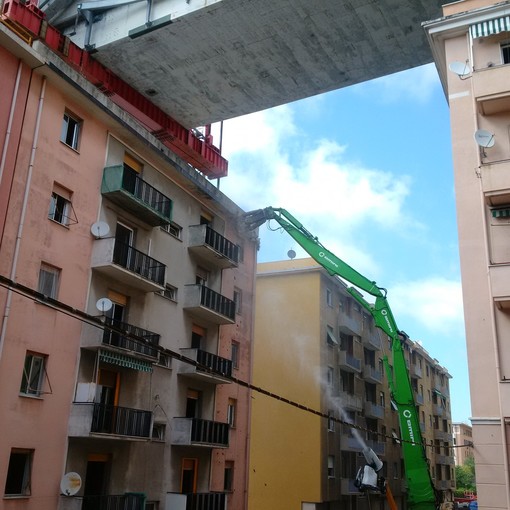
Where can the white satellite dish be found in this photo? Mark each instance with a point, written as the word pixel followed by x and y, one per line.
pixel 70 483
pixel 291 254
pixel 100 229
pixel 461 69
pixel 484 138
pixel 104 304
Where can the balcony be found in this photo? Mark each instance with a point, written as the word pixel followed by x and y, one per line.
pixel 349 442
pixel 348 362
pixel 372 339
pixel 415 371
pixel 437 410
pixel 418 398
pixel 378 447
pixel 347 486
pixel 217 370
pixel 350 402
pixel 208 304
pixel 197 432
pixel 146 347
pixel 440 434
pixel 371 374
pixel 126 188
pixel 373 410
pixel 128 501
pixel 490 87
pixel 212 247
pixel 86 419
pixel 196 501
pixel 124 263
pixel 349 324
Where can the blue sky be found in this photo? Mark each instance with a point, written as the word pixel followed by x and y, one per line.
pixel 368 170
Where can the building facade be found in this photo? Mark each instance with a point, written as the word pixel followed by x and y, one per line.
pixel 315 346
pixel 463 440
pixel 126 299
pixel 470 44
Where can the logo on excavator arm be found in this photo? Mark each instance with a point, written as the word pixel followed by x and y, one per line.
pixel 384 313
pixel 322 255
pixel 407 415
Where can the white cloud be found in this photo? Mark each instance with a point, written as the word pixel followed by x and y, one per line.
pixel 434 303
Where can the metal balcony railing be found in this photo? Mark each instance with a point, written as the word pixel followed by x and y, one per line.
pixel 122 421
pixel 114 502
pixel 116 339
pixel 217 364
pixel 221 244
pixel 209 432
pixel 206 501
pixel 218 303
pixel 128 257
pixel 125 187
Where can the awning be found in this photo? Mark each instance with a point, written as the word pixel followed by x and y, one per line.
pixel 490 27
pixel 121 360
pixel 501 213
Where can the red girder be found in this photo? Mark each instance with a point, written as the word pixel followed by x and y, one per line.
pixel 200 153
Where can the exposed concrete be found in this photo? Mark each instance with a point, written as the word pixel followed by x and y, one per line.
pixel 221 59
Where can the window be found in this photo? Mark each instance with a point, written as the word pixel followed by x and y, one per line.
pixel 382 400
pixel 395 470
pixel 228 480
pixel 331 375
pixel 238 299
pixel 70 133
pixel 234 356
pixel 158 431
pixel 201 276
pixel 164 360
pixel 330 336
pixel 170 292
pixel 49 277
pixel 173 229
pixel 61 209
pixel 33 374
pixel 231 412
pixel 18 473
pixel 505 53
pixel 329 297
pixel 331 466
pixel 331 421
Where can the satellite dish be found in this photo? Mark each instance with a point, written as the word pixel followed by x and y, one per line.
pixel 461 69
pixel 100 229
pixel 484 138
pixel 291 254
pixel 104 304
pixel 70 483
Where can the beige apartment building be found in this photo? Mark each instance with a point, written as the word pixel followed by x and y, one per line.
pixel 463 442
pixel 471 47
pixel 126 304
pixel 316 346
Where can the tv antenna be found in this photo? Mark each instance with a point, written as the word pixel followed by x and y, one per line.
pixel 485 140
pixel 461 69
pixel 104 305
pixel 100 229
pixel 70 483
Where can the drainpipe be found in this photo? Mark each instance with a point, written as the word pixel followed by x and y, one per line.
pixel 14 265
pixel 9 122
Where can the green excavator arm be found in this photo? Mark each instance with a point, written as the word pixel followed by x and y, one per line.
pixel 420 488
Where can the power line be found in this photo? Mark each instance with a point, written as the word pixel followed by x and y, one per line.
pixel 98 322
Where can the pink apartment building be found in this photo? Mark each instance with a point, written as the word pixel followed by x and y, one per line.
pixel 100 216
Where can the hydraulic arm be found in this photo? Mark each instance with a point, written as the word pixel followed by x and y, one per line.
pixel 421 493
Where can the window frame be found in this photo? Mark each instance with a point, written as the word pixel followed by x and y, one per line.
pixel 234 354
pixel 505 52
pixel 169 292
pixel 26 389
pixel 64 216
pixel 70 132
pixel 25 481
pixel 48 269
pixel 231 412
pixel 173 229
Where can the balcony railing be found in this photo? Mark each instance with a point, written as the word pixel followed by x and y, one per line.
pixel 373 410
pixel 371 374
pixel 213 247
pixel 209 305
pixel 148 347
pixel 197 501
pixel 126 501
pixel 348 362
pixel 138 262
pixel 126 188
pixel 198 432
pixel 122 421
pixel 220 369
pixel 124 263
